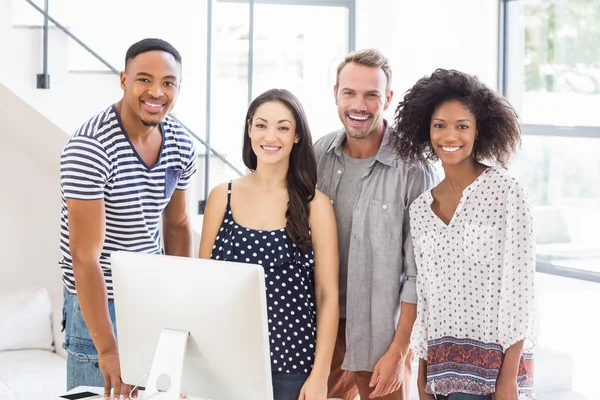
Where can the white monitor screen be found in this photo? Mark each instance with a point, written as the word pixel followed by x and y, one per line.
pixel 221 304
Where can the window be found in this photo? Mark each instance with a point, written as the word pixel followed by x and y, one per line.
pixel 553 79
pixel 295 45
pixel 554 68
pixel 301 57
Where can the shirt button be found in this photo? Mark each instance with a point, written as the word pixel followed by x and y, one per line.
pixel 384 207
pixel 339 171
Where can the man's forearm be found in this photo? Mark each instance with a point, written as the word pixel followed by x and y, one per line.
pixel 178 240
pixel 408 315
pixel 93 299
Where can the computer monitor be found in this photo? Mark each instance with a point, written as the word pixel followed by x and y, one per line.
pixel 213 312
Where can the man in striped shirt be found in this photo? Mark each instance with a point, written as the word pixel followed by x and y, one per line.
pixel 121 172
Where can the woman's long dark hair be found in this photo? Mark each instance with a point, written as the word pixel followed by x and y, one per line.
pixel 302 172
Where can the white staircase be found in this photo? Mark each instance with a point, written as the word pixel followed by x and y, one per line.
pixel 72 98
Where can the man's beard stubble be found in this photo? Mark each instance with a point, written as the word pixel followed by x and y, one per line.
pixel 150 124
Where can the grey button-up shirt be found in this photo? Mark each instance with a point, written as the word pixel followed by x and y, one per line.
pixel 381 266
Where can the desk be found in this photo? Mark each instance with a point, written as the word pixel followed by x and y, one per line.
pixel 100 393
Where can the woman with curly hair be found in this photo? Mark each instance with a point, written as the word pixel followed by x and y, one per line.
pixel 474 242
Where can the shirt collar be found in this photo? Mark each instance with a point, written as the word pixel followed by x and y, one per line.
pixel 386 154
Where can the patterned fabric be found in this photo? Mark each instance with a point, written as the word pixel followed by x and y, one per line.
pixel 289 284
pixel 99 162
pixel 469 366
pixel 476 285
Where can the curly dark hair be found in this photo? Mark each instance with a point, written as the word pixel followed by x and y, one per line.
pixel 498 128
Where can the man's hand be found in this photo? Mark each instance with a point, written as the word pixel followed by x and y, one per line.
pixel 506 390
pixel 388 373
pixel 315 388
pixel 111 371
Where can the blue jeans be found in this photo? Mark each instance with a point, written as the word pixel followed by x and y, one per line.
pixel 464 396
pixel 287 386
pixel 82 357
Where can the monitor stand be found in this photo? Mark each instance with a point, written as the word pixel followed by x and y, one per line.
pixel 164 380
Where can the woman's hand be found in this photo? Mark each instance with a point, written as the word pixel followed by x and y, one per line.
pixel 506 390
pixel 423 395
pixel 315 388
pixel 426 396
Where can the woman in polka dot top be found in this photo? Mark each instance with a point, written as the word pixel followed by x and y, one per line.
pixel 276 218
pixel 473 240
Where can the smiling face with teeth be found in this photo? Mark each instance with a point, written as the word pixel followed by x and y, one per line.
pixel 453 132
pixel 272 132
pixel 151 84
pixel 361 98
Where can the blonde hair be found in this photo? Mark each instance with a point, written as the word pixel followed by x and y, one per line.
pixel 369 58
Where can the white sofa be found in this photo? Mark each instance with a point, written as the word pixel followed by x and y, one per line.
pixel 30 367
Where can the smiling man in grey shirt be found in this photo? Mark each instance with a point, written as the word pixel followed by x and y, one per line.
pixel 371 190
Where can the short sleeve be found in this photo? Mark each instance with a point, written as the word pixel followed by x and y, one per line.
pixel 518 300
pixel 84 169
pixel 191 163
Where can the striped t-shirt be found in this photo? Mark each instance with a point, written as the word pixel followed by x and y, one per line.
pixel 100 162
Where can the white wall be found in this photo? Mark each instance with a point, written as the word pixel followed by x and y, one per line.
pixel 77 91
pixel 29 222
pixel 30 203
pixel 567 345
pixel 72 98
pixel 420 36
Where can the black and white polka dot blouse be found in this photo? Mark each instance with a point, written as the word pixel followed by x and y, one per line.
pixel 289 284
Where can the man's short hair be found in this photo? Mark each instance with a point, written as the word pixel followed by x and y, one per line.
pixel 369 58
pixel 151 44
